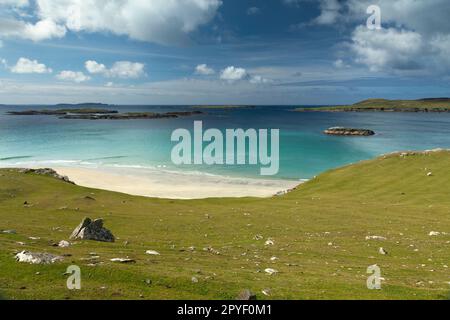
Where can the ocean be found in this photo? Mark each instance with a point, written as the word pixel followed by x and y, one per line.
pixel 46 141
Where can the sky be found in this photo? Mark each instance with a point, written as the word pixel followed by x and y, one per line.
pixel 265 52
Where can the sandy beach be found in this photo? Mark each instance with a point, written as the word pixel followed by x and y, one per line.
pixel 171 185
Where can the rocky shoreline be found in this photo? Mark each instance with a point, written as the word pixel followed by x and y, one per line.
pixel 339 131
pixel 131 116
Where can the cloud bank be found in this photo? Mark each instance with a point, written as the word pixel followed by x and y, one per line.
pixel 158 21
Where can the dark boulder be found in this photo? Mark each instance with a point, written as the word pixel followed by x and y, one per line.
pixel 92 230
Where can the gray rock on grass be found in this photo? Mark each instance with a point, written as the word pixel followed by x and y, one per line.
pixel 92 230
pixel 246 295
pixel 37 258
pixel 46 172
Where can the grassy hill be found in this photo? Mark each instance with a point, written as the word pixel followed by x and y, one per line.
pixel 319 233
pixel 422 105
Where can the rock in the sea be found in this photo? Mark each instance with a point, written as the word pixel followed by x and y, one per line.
pixel 340 131
pixel 47 172
pixel 92 230
pixel 37 258
pixel 246 295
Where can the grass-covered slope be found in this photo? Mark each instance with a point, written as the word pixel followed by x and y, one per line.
pixel 383 105
pixel 319 233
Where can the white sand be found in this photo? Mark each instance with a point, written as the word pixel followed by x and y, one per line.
pixel 170 185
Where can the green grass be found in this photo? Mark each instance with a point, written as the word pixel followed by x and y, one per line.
pixel 391 196
pixel 430 105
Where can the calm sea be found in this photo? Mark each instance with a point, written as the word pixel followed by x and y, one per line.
pixel 304 150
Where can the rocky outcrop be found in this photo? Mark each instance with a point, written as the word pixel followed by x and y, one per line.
pixel 92 230
pixel 339 131
pixel 47 172
pixel 37 258
pixel 131 116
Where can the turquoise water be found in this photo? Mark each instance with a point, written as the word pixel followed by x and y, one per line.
pixel 304 150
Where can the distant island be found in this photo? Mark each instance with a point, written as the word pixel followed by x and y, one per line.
pixel 102 114
pixel 223 107
pixel 61 112
pixel 383 105
pixel 130 116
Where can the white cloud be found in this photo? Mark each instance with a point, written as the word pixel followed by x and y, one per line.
pixel 73 76
pixel 440 45
pixel 120 69
pixel 414 36
pixel 253 11
pixel 14 3
pixel 233 74
pixel 95 68
pixel 160 21
pixel 25 65
pixel 330 12
pixel 422 16
pixel 259 80
pixel 204 70
pixel 387 48
pixel 127 69
pixel 42 30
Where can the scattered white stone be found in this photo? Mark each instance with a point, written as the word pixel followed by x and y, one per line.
pixel 64 244
pixel 152 252
pixel 123 260
pixel 270 242
pixel 258 237
pixel 429 174
pixel 436 233
pixel 9 231
pixel 382 251
pixel 266 292
pixel 194 280
pixel 271 271
pixel 34 238
pixel 375 238
pixel 273 259
pixel 37 258
pixel 330 244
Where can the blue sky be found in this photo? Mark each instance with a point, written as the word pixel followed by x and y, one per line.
pixel 219 52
